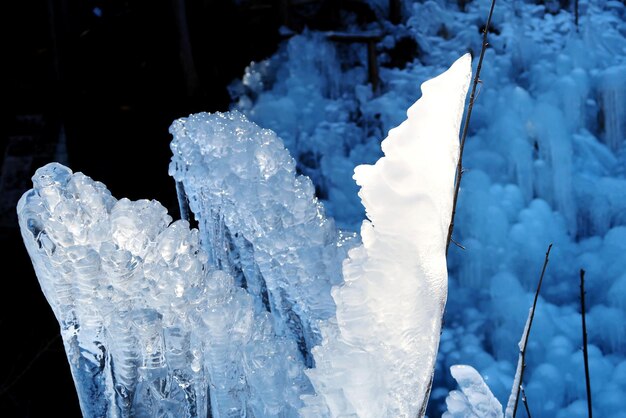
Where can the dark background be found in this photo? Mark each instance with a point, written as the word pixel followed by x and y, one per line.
pixel 95 84
pixel 111 85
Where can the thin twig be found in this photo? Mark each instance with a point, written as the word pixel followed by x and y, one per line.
pixel 511 408
pixel 585 352
pixel 457 244
pixel 459 167
pixel 525 400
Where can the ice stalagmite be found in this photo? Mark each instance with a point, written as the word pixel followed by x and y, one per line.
pixel 259 220
pixel 378 358
pixel 103 267
pixel 148 329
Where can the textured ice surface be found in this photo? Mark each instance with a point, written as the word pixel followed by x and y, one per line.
pixel 475 400
pixel 259 220
pixel 377 359
pixel 161 320
pixel 148 329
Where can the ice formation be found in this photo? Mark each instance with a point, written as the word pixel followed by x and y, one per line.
pixel 475 400
pixel 259 220
pixel 148 329
pixel 377 359
pixel 545 163
pixel 158 319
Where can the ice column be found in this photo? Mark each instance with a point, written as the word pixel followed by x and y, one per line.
pixel 377 359
pixel 92 255
pixel 258 219
pixel 148 329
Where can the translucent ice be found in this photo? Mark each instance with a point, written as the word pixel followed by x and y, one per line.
pixel 148 329
pixel 475 400
pixel 259 220
pixel 161 320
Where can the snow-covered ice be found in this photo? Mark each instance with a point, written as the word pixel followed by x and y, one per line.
pixel 378 358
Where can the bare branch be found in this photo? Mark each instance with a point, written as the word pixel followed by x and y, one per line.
pixel 457 244
pixel 511 408
pixel 585 352
pixel 459 168
pixel 525 400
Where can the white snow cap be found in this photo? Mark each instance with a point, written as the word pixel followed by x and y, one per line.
pixel 377 360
